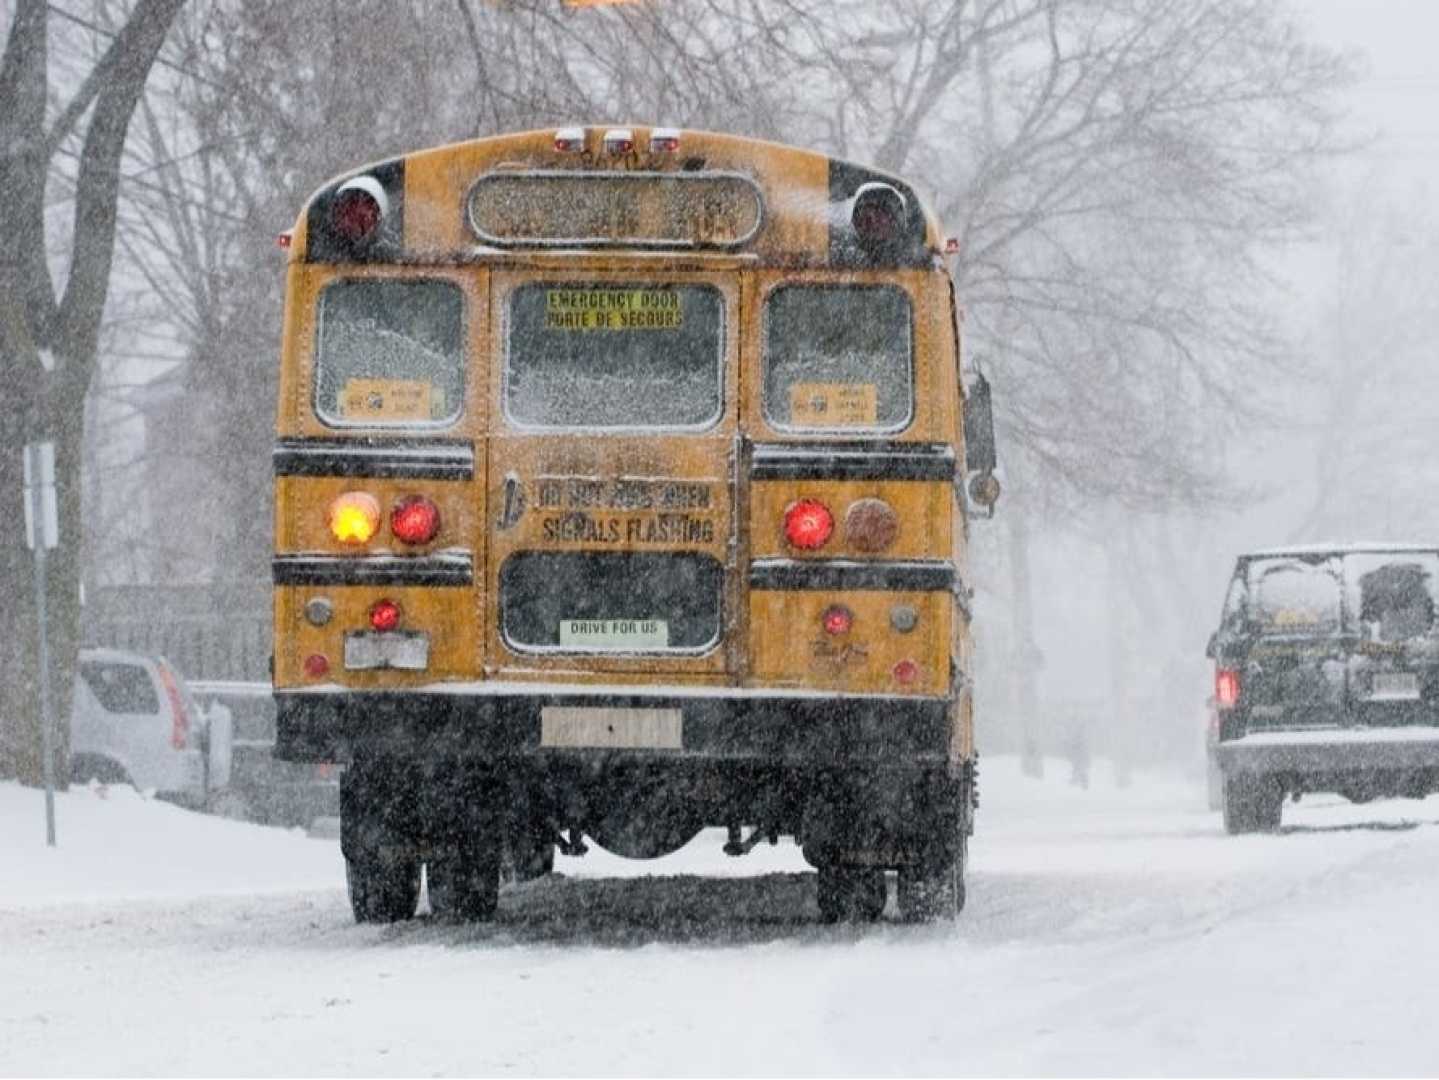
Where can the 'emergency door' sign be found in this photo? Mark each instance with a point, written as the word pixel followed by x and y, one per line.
pixel 613 309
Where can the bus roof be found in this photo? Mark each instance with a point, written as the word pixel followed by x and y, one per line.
pixel 618 189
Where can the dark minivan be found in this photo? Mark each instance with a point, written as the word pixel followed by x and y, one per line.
pixel 1326 677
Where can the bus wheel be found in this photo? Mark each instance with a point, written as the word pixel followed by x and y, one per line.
pixel 464 882
pixel 850 893
pixel 382 890
pixel 932 893
pixel 381 868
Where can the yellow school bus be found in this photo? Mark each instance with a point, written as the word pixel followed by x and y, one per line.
pixel 621 490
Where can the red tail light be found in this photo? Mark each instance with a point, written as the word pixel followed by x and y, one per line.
pixel 1226 687
pixel 808 524
pixel 415 520
pixel 385 615
pixel 179 718
pixel 837 619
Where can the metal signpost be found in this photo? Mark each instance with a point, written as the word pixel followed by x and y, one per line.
pixel 42 534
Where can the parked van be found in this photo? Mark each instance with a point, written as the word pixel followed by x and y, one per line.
pixel 1327 677
pixel 134 720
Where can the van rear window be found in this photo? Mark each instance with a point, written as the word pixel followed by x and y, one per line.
pixel 120 688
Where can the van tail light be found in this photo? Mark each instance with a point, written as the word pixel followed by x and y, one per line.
pixel 1226 687
pixel 179 718
pixel 808 524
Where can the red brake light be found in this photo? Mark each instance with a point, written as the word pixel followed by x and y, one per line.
pixel 808 524
pixel 1226 687
pixel 837 619
pixel 415 520
pixel 179 718
pixel 385 615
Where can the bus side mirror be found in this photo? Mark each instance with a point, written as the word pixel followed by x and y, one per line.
pixel 979 455
pixel 980 458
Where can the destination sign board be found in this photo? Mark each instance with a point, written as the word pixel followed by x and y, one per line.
pixel 552 208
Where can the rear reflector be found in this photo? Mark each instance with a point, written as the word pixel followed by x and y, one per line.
pixel 905 672
pixel 316 666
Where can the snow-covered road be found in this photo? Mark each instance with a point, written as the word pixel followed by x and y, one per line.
pixel 1107 931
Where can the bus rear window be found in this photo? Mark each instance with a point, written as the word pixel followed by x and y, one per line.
pixel 838 358
pixel 389 352
pixel 615 356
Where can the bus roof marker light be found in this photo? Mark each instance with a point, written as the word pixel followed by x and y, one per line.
pixel 878 215
pixel 665 141
pixel 358 207
pixel 570 140
pixel 619 141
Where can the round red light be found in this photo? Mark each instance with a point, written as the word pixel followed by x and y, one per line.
pixel 415 520
pixel 878 215
pixel 355 214
pixel 906 671
pixel 837 619
pixel 808 524
pixel 385 615
pixel 316 666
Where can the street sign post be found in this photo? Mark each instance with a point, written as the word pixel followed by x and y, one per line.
pixel 42 534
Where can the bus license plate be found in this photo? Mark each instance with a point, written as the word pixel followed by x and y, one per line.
pixel 1396 684
pixel 367 651
pixel 611 729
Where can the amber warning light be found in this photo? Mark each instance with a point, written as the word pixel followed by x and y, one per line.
pixel 354 517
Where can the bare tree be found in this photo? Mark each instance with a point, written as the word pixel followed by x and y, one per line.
pixel 49 329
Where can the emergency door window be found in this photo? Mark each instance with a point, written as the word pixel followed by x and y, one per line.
pixel 389 352
pixel 838 358
pixel 640 355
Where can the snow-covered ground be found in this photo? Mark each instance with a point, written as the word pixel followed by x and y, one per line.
pixel 1108 931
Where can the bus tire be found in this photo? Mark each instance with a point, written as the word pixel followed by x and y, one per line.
pixel 932 892
pixel 464 882
pixel 850 893
pixel 382 890
pixel 382 867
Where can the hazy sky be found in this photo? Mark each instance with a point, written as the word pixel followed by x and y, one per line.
pixel 1398 96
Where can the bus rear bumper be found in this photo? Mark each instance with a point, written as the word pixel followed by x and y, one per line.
pixel 491 723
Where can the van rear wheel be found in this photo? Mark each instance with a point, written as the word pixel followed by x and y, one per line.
pixel 1252 804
